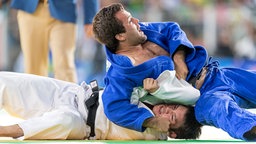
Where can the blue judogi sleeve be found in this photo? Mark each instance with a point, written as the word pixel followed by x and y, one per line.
pixel 120 82
pixel 170 36
pixel 122 76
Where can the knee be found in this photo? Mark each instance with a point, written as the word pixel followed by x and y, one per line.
pixel 73 125
pixel 66 121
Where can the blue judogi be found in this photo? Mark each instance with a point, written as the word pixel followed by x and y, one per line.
pixel 224 94
pixel 122 76
pixel 63 10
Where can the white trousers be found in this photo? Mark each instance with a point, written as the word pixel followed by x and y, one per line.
pixel 54 109
pixel 48 106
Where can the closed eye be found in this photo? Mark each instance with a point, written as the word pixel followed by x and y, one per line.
pixel 175 107
pixel 173 118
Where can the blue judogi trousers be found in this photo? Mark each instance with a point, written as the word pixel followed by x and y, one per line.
pixel 225 96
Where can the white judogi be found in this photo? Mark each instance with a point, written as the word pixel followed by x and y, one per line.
pixel 108 130
pixel 54 109
pixel 171 90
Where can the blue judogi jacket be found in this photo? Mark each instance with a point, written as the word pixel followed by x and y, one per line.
pixel 64 10
pixel 122 76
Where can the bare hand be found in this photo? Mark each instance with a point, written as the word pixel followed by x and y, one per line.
pixel 161 124
pixel 88 30
pixel 180 64
pixel 181 70
pixel 150 85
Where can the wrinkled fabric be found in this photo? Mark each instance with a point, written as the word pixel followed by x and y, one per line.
pixel 122 76
pixel 55 109
pixel 171 90
pixel 48 106
pixel 225 96
pixel 64 10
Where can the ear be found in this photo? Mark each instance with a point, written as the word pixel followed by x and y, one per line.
pixel 172 134
pixel 120 37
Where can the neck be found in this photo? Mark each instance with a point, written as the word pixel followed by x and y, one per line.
pixel 128 50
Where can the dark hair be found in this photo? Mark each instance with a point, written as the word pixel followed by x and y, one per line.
pixel 106 26
pixel 191 128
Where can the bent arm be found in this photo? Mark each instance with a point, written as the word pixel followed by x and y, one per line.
pixel 170 37
pixel 174 40
pixel 172 90
pixel 179 62
pixel 117 106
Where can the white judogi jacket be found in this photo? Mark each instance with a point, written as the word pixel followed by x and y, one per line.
pixel 171 90
pixel 108 130
pixel 54 109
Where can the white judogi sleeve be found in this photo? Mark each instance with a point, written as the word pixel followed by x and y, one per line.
pixel 171 90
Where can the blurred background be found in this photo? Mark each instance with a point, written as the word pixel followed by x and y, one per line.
pixel 226 28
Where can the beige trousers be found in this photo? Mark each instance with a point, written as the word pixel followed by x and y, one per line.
pixel 39 32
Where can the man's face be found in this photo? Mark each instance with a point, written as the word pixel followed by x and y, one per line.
pixel 133 34
pixel 175 113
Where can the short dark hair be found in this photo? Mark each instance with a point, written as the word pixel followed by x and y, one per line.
pixel 191 128
pixel 106 26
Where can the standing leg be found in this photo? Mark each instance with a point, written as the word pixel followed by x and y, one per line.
pixel 62 44
pixel 34 40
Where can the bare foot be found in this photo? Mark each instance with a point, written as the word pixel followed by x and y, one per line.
pixel 251 134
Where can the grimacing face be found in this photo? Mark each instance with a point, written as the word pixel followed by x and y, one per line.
pixel 133 34
pixel 174 112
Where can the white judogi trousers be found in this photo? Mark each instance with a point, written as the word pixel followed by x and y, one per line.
pixel 55 109
pixel 49 106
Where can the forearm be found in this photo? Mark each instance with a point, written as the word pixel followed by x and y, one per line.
pixel 180 55
pixel 150 123
pixel 159 123
pixel 118 107
pixel 13 131
pixel 179 62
